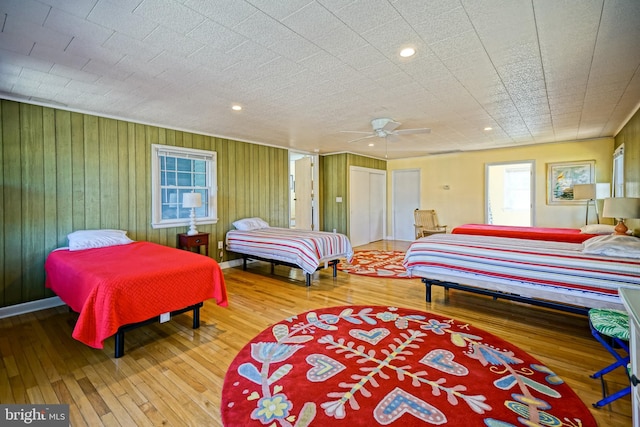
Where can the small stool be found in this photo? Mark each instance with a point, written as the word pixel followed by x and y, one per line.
pixel 613 324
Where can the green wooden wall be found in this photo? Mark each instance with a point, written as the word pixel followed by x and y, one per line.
pixel 630 137
pixel 335 183
pixel 64 171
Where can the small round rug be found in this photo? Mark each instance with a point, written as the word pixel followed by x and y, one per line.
pixel 368 366
pixel 377 264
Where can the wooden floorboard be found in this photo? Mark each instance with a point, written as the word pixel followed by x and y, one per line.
pixel 173 375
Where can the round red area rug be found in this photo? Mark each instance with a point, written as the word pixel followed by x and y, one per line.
pixel 368 366
pixel 376 263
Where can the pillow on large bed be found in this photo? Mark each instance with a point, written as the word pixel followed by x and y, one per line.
pixel 87 239
pixel 612 245
pixel 248 224
pixel 597 229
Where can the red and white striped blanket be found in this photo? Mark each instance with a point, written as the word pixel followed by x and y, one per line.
pixel 306 249
pixel 555 271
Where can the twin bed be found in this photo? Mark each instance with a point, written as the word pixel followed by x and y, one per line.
pixel 558 274
pixel 308 250
pixel 117 287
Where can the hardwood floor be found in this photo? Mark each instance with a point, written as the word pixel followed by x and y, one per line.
pixel 173 375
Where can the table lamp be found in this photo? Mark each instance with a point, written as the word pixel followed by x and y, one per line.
pixel 621 208
pixel 193 201
pixel 591 192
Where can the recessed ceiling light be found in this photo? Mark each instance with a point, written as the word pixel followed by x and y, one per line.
pixel 488 128
pixel 236 107
pixel 371 144
pixel 407 52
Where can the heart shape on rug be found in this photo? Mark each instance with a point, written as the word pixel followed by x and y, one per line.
pixel 373 366
pixel 322 367
pixel 373 336
pixel 442 360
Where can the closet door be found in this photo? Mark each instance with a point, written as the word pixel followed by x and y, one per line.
pixel 367 205
pixel 359 207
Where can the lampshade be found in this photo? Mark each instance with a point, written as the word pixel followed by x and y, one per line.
pixel 191 200
pixel 621 207
pixel 584 191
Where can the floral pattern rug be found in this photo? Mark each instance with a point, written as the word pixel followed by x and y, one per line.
pixel 368 366
pixel 376 263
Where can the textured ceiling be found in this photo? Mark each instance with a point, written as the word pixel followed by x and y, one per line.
pixel 536 71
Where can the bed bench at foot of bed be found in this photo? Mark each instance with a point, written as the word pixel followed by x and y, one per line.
pixel 333 263
pixel 498 294
pixel 119 336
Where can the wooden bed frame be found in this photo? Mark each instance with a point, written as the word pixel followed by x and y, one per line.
pixel 333 263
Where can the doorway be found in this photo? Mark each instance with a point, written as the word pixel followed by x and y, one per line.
pixel 509 193
pixel 303 176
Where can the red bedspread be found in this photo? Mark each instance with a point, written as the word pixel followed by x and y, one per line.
pixel 119 285
pixel 568 235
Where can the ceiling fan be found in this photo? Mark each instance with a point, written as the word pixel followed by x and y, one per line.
pixel 386 128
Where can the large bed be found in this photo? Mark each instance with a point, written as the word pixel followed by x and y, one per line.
pixel 116 288
pixel 559 275
pixel 570 235
pixel 307 250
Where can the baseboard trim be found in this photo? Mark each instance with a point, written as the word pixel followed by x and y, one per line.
pixel 28 307
pixel 43 304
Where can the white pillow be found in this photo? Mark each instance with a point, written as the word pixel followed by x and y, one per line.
pixel 248 224
pixel 87 239
pixel 613 245
pixel 597 229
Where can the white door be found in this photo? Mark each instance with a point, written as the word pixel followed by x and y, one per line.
pixel 367 205
pixel 377 202
pixel 405 199
pixel 303 194
pixel 509 193
pixel 359 207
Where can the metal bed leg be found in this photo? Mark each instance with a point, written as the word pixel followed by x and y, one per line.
pixel 119 344
pixel 428 291
pixel 307 279
pixel 334 264
pixel 196 317
pixel 244 263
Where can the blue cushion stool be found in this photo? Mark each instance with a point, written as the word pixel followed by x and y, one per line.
pixel 611 329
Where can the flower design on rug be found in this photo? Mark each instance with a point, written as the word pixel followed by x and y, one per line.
pixel 376 263
pixel 383 365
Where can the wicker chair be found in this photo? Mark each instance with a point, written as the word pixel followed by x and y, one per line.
pixel 426 223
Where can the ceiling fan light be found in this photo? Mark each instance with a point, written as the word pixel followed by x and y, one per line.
pixel 407 52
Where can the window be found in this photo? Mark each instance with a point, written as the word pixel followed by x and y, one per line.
pixel 176 171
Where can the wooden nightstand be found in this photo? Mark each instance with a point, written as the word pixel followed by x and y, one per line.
pixel 195 241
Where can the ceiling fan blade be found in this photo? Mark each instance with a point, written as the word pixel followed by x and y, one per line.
pixel 410 131
pixel 355 131
pixel 390 125
pixel 364 137
pixel 392 137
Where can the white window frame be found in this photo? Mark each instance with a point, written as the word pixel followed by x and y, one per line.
pixel 617 180
pixel 211 214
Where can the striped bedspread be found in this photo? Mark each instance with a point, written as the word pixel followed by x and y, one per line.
pixel 543 269
pixel 306 249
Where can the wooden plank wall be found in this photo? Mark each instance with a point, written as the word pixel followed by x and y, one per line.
pixel 335 183
pixel 630 137
pixel 64 171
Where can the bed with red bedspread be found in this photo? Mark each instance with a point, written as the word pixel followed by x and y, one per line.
pixel 568 235
pixel 116 287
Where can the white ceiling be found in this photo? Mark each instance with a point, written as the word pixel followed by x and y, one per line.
pixel 536 71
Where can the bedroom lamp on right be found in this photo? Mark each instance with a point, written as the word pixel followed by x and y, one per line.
pixel 621 208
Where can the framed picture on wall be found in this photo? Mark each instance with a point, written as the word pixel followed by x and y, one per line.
pixel 561 177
